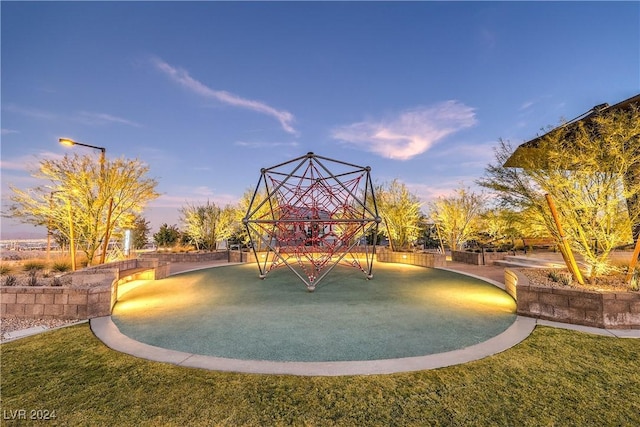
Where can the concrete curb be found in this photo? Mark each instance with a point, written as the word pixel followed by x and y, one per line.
pixel 108 332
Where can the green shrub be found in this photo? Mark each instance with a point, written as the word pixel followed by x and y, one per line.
pixel 56 281
pixel 10 280
pixel 562 277
pixel 33 266
pixel 32 280
pixel 565 279
pixel 4 270
pixel 635 281
pixel 61 266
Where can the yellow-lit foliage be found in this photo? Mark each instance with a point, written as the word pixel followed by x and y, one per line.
pixel 591 171
pixel 265 210
pixel 458 216
pixel 78 188
pixel 500 226
pixel 206 224
pixel 400 213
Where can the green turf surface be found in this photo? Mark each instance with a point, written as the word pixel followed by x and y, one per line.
pixel 553 378
pixel 229 312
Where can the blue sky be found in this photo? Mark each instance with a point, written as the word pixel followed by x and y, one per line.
pixel 207 93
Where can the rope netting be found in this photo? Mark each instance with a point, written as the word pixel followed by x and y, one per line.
pixel 311 219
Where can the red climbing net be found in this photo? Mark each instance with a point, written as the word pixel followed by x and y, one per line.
pixel 309 218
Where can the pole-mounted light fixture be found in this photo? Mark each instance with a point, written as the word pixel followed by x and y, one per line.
pixel 69 143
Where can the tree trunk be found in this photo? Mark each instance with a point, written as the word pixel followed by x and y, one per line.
pixel 631 179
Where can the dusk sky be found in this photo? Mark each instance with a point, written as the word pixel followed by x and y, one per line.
pixel 207 93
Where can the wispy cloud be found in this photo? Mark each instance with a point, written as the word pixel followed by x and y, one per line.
pixel 85 117
pixel 103 118
pixel 182 77
pixel 8 131
pixel 526 105
pixel 27 162
pixel 409 133
pixel 258 144
pixel 193 195
pixel 30 112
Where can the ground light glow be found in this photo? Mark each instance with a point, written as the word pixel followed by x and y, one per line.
pixel 228 312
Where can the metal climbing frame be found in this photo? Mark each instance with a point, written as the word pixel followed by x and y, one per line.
pixel 309 218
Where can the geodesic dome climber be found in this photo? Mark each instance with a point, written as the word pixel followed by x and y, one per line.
pixel 310 218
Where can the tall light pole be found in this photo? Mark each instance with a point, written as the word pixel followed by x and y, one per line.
pixel 69 143
pixel 72 243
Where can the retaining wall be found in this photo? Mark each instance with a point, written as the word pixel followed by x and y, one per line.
pixel 613 310
pixel 422 259
pixel 92 292
pixel 89 295
pixel 477 258
pixel 184 256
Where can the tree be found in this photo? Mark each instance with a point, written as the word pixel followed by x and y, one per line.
pixel 167 236
pixel 140 232
pixel 206 224
pixel 99 202
pixel 265 210
pixel 501 227
pixel 458 216
pixel 400 213
pixel 588 171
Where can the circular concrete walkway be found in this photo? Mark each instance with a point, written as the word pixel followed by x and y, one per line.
pixel 108 332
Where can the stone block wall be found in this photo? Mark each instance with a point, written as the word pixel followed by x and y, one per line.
pixel 614 310
pixel 47 302
pixel 248 257
pixel 146 269
pixel 421 259
pixel 92 292
pixel 184 256
pixel 476 258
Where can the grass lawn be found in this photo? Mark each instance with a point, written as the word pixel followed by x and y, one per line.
pixel 553 378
